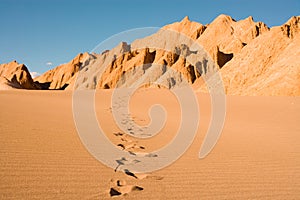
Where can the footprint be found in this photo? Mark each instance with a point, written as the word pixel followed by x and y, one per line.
pixel 139 176
pixel 129 173
pixel 122 146
pixel 123 161
pixel 118 134
pixel 132 153
pixel 131 132
pixel 114 192
pixel 121 188
pixel 127 147
pixel 130 146
pixel 137 188
pixel 151 155
pixel 121 183
pixel 120 162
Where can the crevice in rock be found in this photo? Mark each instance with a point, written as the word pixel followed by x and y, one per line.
pixel 149 56
pixel 223 58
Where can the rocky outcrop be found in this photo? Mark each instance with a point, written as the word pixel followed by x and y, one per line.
pixel 189 28
pixel 61 76
pixel 15 75
pixel 269 65
pixel 155 58
pixel 222 39
pixel 251 58
pixel 227 36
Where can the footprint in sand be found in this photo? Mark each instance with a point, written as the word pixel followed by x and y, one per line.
pixel 127 147
pixel 118 134
pixel 123 161
pixel 141 176
pixel 121 188
pixel 128 144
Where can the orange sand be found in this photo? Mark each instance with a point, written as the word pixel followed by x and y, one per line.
pixel 42 157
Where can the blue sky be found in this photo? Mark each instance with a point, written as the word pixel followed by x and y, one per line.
pixel 36 32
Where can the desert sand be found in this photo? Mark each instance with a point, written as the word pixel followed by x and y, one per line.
pixel 42 157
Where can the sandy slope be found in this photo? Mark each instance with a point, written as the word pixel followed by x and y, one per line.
pixel 41 156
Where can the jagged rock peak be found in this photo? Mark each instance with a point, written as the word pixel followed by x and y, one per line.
pixel 18 74
pixel 294 21
pixel 250 18
pixel 185 19
pixel 291 28
pixel 79 57
pixel 124 47
pixel 61 76
pixel 187 27
pixel 224 18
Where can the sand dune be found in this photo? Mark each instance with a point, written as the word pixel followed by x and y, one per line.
pixel 42 157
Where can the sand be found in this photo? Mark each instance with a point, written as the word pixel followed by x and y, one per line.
pixel 42 157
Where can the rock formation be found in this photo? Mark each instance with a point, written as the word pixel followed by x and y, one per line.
pixel 252 59
pixel 60 77
pixel 15 75
pixel 269 65
pixel 224 36
pixel 222 39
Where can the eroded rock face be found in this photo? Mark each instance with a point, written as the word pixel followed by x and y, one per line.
pixel 155 58
pixel 269 65
pixel 15 75
pixel 61 76
pixel 228 36
pixel 222 40
pixel 252 59
pixel 191 29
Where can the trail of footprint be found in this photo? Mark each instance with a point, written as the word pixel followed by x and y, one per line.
pixel 128 144
pixel 119 187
